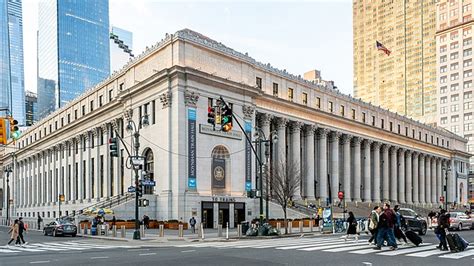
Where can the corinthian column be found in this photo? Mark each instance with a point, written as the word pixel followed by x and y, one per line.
pixel 408 178
pixel 323 164
pixel 428 179
pixel 439 180
pixel 393 175
pixel 357 181
pixel 281 143
pixel 309 139
pixel 367 172
pixel 385 173
pixel 335 136
pixel 422 178
pixel 376 188
pixel 433 181
pixel 296 152
pixel 346 140
pixel 401 176
pixel 416 181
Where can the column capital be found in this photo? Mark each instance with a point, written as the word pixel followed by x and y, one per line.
pixel 248 111
pixel 335 136
pixel 104 127
pixel 191 98
pixel 114 122
pixel 310 129
pixel 409 153
pixel 323 132
pixel 296 126
pixel 95 131
pixel 346 138
pixel 86 135
pixel 421 155
pixel 394 149
pixel 386 147
pixel 376 145
pixel 415 154
pixel 367 142
pixel 264 119
pixel 281 122
pixel 401 150
pixel 357 140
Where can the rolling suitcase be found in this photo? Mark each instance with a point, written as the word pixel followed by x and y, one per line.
pixel 456 243
pixel 414 238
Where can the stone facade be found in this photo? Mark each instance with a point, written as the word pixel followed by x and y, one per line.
pixel 373 153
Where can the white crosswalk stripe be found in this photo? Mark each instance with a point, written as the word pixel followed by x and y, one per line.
pixel 56 246
pixel 334 244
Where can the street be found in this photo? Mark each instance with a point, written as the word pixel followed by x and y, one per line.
pixel 321 250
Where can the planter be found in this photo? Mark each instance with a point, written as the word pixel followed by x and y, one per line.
pixel 307 222
pixel 175 226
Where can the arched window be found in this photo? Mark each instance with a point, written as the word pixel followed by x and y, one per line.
pixel 149 167
pixel 220 169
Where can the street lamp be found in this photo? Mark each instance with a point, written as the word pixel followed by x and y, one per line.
pixel 135 131
pixel 446 170
pixel 8 170
pixel 262 139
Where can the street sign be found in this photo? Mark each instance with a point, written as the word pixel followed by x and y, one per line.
pixel 149 183
pixel 138 162
pixel 441 199
pixel 131 189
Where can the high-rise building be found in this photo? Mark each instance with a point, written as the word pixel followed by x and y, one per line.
pixel 121 45
pixel 405 80
pixel 31 107
pixel 5 86
pixel 73 50
pixel 454 36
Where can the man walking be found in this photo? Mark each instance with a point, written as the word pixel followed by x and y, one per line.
pixel 39 221
pixel 192 223
pixel 385 228
pixel 399 222
pixel 373 223
pixel 440 231
pixel 21 229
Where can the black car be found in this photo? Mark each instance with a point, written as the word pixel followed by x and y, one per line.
pixel 60 227
pixel 412 221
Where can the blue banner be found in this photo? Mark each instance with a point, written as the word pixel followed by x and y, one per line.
pixel 192 148
pixel 248 157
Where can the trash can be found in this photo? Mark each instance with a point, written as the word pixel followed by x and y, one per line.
pixel 94 230
pixel 245 227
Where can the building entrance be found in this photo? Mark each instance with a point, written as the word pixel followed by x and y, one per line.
pixel 239 213
pixel 208 214
pixel 222 213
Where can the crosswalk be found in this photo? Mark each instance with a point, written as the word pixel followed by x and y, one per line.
pixel 336 244
pixel 56 247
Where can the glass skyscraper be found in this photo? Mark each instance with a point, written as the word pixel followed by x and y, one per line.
pixel 5 86
pixel 73 50
pixel 121 45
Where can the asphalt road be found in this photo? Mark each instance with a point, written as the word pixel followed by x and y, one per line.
pixel 327 250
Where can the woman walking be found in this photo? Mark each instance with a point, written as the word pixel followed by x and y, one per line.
pixel 14 230
pixel 352 227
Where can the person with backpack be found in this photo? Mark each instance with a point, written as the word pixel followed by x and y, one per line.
pixel 192 223
pixel 440 231
pixel 352 227
pixel 373 222
pixel 399 222
pixel 21 230
pixel 385 228
pixel 39 221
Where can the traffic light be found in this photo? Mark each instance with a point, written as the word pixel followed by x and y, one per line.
pixel 14 130
pixel 226 118
pixel 211 115
pixel 143 203
pixel 113 146
pixel 139 189
pixel 3 131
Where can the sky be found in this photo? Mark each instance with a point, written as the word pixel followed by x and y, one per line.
pixel 294 35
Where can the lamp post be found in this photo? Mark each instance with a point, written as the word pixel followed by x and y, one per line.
pixel 8 170
pixel 446 170
pixel 135 131
pixel 262 139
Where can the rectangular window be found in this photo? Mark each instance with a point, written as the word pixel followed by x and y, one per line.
pixel 443 49
pixel 444 99
pixel 467 42
pixel 443 59
pixel 443 89
pixel 258 82
pixel 406 131
pixel 318 102
pixel 443 79
pixel 290 94
pixel 454 66
pixel 68 118
pixel 468 73
pixel 467 116
pixel 453 56
pixel 454 97
pixel 83 110
pixel 275 89
pixel 100 100
pixel 363 117
pixel 443 110
pixel 468 95
pixel 454 118
pixel 382 123
pixel 343 110
pixel 353 114
pixel 467 106
pixel 454 45
pixel 467 52
pixel 398 129
pixel 111 94
pixel 153 112
pixel 75 114
pixel 373 120
pixel 121 87
pixel 62 121
pixel 305 98
pixel 391 126
pixel 330 106
pixel 92 106
pixel 467 84
pixel 413 133
pixel 454 107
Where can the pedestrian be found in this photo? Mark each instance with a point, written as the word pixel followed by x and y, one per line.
pixel 146 221
pixel 39 221
pixel 192 223
pixel 385 228
pixel 373 222
pixel 352 227
pixel 113 221
pixel 14 233
pixel 21 230
pixel 440 231
pixel 399 223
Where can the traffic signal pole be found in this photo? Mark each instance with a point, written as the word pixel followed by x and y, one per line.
pixel 136 234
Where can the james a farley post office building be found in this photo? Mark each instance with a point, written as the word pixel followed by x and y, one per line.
pixel 374 154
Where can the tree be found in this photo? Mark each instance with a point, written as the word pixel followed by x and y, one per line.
pixel 284 181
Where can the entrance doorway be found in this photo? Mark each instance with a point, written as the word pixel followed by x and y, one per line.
pixel 223 214
pixel 208 214
pixel 239 213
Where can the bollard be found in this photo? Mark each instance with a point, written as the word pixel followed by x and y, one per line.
pixel 114 231
pixel 180 230
pixel 239 230
pixel 301 226
pixel 279 226
pixel 99 230
pixel 142 230
pixel 81 230
pixel 122 231
pixel 85 230
pixel 202 231
pixel 290 226
pixel 227 231
pixel 311 225
pixel 162 230
pixel 107 230
pixel 219 230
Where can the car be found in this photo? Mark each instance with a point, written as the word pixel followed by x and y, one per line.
pixel 413 221
pixel 60 227
pixel 471 217
pixel 459 221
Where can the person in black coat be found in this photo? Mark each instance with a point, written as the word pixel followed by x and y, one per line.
pixel 352 227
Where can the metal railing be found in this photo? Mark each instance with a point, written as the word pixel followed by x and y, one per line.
pixel 111 202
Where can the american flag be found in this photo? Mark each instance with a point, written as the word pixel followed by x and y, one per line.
pixel 383 48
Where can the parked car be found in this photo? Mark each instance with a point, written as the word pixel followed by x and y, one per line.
pixel 413 221
pixel 471 217
pixel 60 227
pixel 459 221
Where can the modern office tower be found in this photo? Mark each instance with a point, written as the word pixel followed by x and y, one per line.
pixel 73 50
pixel 121 45
pixel 31 107
pixel 5 87
pixel 454 69
pixel 403 80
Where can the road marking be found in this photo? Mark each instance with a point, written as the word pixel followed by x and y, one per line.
pixel 329 247
pixel 93 258
pixel 367 263
pixel 428 253
pixel 459 254
pixel 191 250
pixel 40 261
pixel 347 248
pixel 406 251
pixel 146 254
pixel 8 251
